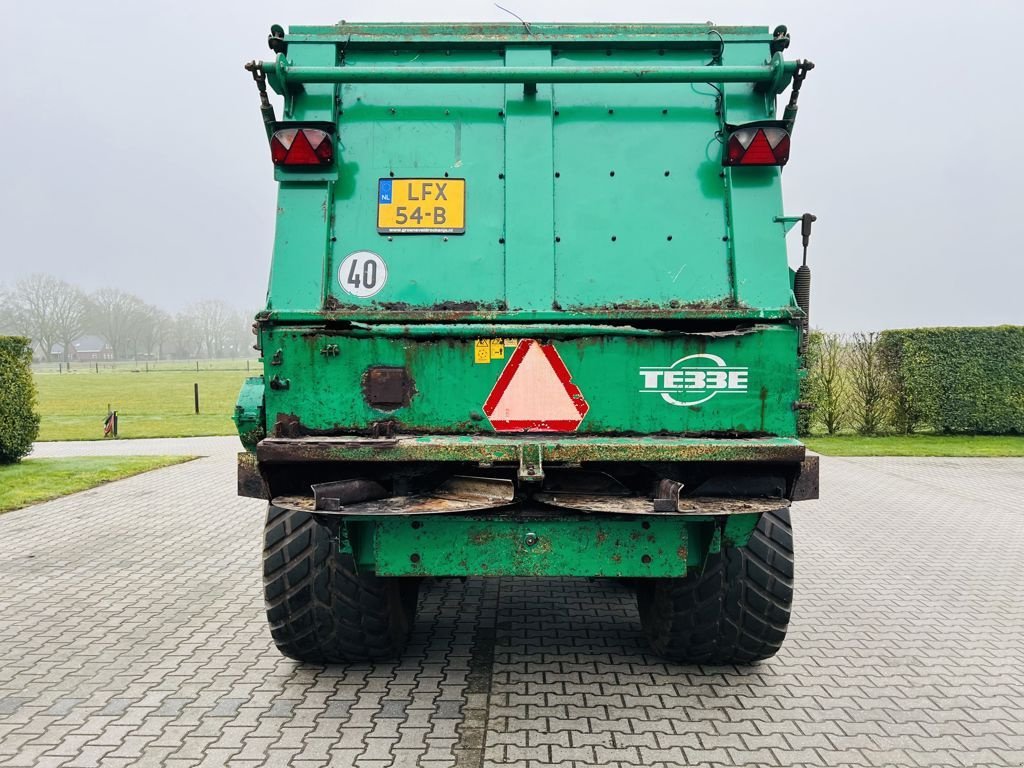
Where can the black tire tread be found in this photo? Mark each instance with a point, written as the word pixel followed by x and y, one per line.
pixel 734 612
pixel 319 609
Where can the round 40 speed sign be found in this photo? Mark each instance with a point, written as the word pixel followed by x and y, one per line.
pixel 362 274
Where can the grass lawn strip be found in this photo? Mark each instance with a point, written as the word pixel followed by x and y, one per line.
pixel 989 446
pixel 36 480
pixel 72 406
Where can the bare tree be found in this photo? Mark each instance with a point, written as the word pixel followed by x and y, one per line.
pixel 829 387
pixel 868 381
pixel 116 316
pixel 156 328
pixel 186 335
pixel 69 313
pixel 49 311
pixel 29 304
pixel 215 320
pixel 242 339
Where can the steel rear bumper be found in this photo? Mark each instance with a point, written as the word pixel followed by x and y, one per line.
pixel 550 449
pixel 530 453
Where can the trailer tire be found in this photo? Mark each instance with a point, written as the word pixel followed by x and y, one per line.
pixel 736 611
pixel 319 608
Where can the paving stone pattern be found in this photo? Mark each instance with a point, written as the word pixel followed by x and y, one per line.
pixel 132 633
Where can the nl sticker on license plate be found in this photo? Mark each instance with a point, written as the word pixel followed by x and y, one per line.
pixel 421 206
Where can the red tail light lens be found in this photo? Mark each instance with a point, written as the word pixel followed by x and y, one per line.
pixel 302 147
pixel 762 143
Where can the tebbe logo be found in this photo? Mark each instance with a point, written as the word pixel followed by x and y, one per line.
pixel 694 379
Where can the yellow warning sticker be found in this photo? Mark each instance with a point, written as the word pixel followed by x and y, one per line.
pixel 485 350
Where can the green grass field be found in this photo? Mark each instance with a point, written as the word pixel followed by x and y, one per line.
pixel 36 480
pixel 918 445
pixel 72 406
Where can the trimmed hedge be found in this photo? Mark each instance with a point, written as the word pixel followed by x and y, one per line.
pixel 967 380
pixel 19 423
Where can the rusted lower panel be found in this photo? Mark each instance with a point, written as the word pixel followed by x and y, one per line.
pixel 250 481
pixel 554 450
pixel 806 486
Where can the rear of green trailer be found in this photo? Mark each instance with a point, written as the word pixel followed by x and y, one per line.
pixel 530 313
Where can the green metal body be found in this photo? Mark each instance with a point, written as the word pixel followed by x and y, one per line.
pixel 540 546
pixel 450 387
pixel 600 221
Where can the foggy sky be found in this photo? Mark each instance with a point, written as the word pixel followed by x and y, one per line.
pixel 133 153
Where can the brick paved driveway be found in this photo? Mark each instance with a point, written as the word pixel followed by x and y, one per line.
pixel 132 633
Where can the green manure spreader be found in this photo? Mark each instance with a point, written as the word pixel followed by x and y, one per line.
pixel 530 314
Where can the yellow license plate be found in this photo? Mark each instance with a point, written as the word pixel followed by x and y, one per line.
pixel 421 206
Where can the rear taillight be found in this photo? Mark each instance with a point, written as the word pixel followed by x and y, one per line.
pixel 301 147
pixel 762 143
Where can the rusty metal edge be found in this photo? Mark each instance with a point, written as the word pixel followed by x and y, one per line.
pixel 806 486
pixel 696 35
pixel 442 448
pixel 250 482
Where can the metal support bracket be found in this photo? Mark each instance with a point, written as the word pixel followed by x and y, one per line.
pixel 781 72
pixel 333 496
pixel 531 464
pixel 666 496
pixel 787 222
pixel 341 537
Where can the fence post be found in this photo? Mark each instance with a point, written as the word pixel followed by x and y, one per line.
pixel 196 392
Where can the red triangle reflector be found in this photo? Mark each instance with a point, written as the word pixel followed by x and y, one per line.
pixel 535 393
pixel 301 153
pixel 759 152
